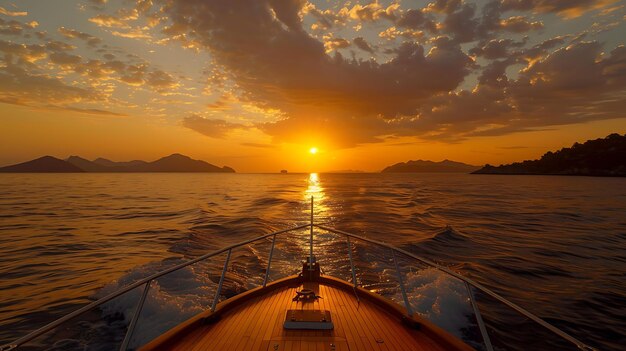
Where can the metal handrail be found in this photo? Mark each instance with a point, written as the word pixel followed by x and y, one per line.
pixel 133 322
pixel 52 325
pixel 146 281
pixel 479 318
pixel 469 281
pixel 219 286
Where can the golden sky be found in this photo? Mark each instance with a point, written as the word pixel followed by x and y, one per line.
pixel 254 84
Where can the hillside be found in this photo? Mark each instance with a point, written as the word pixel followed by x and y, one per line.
pixel 600 157
pixel 420 166
pixel 42 165
pixel 172 163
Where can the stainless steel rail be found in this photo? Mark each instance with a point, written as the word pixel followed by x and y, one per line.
pixel 407 304
pixel 133 322
pixel 50 326
pixel 269 261
pixel 479 319
pixel 147 281
pixel 471 282
pixel 311 239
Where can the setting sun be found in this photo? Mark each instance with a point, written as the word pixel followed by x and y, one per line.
pixel 313 150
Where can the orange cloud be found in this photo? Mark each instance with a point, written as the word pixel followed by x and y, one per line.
pixel 6 12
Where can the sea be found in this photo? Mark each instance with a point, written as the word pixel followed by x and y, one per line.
pixel 554 245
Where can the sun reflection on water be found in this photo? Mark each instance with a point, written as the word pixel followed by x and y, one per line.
pixel 316 190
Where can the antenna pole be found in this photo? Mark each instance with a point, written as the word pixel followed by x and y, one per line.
pixel 311 239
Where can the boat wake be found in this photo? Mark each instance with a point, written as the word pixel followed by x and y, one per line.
pixel 439 298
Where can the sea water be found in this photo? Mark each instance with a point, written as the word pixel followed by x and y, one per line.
pixel 554 245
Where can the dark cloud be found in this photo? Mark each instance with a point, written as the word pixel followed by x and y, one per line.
pixel 325 19
pixel 416 20
pixel 569 8
pixel 425 85
pixel 282 67
pixel 462 24
pixel 71 34
pixel 362 44
pixel 214 128
pixel 64 59
pixel 13 27
pixel 497 48
pixel 331 44
pixel 87 111
pixel 444 6
pixel 519 24
pixel 575 84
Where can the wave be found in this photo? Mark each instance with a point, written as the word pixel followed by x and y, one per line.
pixel 171 299
pixel 440 298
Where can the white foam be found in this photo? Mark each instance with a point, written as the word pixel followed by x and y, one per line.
pixel 440 298
pixel 171 300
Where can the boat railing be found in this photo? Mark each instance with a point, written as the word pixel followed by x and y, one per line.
pixel 350 238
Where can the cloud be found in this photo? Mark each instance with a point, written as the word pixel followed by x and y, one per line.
pixel 362 44
pixel 325 19
pixel 64 59
pixel 214 128
pixel 462 24
pixel 19 86
pixel 372 12
pixel 497 49
pixel 21 54
pixel 6 12
pixel 545 94
pixel 392 33
pixel 71 34
pixel 282 67
pixel 133 33
pixel 108 21
pixel 440 72
pixel 331 44
pixel 567 9
pixel 161 80
pixel 519 24
pixel 444 6
pixel 416 20
pixel 13 27
pixel 87 111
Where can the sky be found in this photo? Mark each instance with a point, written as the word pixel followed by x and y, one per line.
pixel 255 84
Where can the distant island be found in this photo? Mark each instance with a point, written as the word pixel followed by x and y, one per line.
pixel 76 164
pixel 420 166
pixel 601 157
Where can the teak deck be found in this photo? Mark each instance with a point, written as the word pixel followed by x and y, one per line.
pixel 255 322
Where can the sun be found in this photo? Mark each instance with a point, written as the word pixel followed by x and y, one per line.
pixel 313 150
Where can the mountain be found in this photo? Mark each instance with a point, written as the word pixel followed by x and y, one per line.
pixel 172 163
pixel 88 166
pixel 420 166
pixel 181 163
pixel 41 165
pixel 600 157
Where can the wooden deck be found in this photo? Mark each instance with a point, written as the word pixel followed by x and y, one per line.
pixel 257 324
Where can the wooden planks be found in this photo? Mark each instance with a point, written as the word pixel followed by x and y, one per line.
pixel 257 324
